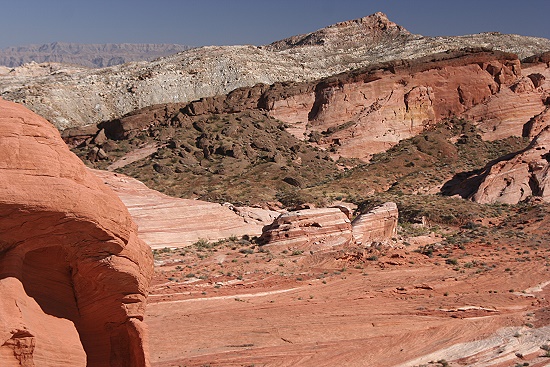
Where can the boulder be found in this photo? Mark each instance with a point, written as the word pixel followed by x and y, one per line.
pixel 537 79
pixel 536 124
pixel 377 225
pixel 74 276
pixel 75 136
pixel 308 229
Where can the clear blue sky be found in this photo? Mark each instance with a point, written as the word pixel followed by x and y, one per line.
pixel 223 22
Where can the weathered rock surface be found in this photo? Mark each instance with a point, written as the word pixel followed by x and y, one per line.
pixel 277 309
pixel 368 110
pixel 323 228
pixel 510 179
pixel 71 265
pixel 166 221
pixel 536 124
pixel 510 111
pixel 89 97
pixel 89 55
pixel 309 229
pixel 379 224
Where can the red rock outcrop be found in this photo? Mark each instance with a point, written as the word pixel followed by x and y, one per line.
pixel 379 224
pixel 536 124
pixel 365 111
pixel 166 221
pixel 511 111
pixel 309 229
pixel 71 265
pixel 323 228
pixel 369 110
pixel 510 179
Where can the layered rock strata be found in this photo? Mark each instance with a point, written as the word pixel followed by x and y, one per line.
pixel 71 265
pixel 359 113
pixel 309 229
pixel 379 224
pixel 166 221
pixel 510 179
pixel 323 228
pixel 519 109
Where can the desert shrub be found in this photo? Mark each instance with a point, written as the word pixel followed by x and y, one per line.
pixel 294 197
pixel 202 244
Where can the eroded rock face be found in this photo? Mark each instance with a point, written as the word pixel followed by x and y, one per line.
pixel 166 221
pixel 510 179
pixel 515 110
pixel 366 111
pixel 309 229
pixel 323 228
pixel 71 265
pixel 370 112
pixel 379 224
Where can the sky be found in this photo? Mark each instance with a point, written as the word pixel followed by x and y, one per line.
pixel 257 22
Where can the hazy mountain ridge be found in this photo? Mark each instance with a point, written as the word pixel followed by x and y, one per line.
pixel 90 55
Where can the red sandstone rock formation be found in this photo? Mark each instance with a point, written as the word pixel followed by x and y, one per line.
pixel 515 110
pixel 323 228
pixel 309 229
pixel 71 265
pixel 165 221
pixel 379 224
pixel 368 111
pixel 515 179
pixel 535 125
pixel 510 179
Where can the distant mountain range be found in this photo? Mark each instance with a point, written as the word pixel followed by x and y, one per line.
pixel 90 55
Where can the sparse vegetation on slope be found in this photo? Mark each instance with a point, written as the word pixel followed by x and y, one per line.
pixel 241 158
pixel 249 158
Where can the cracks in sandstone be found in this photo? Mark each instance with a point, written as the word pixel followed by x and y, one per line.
pixel 22 342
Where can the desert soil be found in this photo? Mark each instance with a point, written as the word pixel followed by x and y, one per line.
pixel 234 304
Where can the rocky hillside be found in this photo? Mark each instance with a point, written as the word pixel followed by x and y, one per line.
pixel 314 141
pixel 244 157
pixel 89 55
pixel 85 97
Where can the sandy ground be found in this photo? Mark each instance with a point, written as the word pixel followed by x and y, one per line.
pixel 339 308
